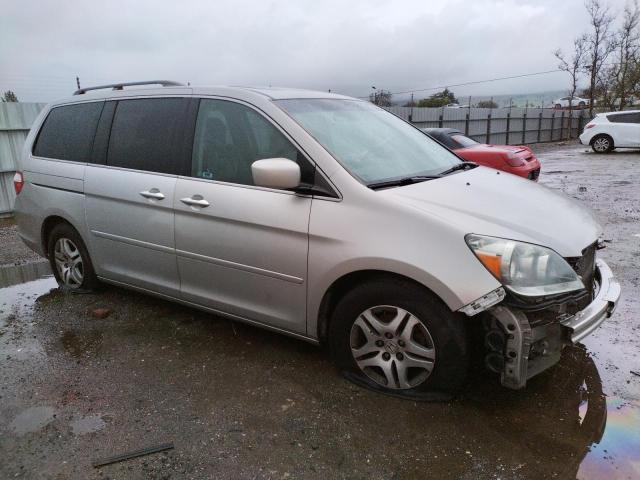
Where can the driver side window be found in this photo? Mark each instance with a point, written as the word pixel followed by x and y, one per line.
pixel 229 137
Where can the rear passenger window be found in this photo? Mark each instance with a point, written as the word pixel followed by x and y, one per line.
pixel 229 137
pixel 67 132
pixel 624 118
pixel 146 134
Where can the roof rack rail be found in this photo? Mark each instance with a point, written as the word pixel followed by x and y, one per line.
pixel 120 86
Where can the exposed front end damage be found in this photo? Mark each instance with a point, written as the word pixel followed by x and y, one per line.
pixel 521 342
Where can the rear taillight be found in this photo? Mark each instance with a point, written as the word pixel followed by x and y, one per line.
pixel 589 125
pixel 514 160
pixel 18 182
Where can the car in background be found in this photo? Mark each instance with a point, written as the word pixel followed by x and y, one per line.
pixel 518 160
pixel 612 130
pixel 566 102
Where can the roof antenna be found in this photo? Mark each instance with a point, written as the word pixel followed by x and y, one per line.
pixel 78 82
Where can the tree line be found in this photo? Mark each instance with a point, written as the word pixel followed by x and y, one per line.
pixel 608 55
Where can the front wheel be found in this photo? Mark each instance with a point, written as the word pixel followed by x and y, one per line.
pixel 397 337
pixel 70 260
pixel 602 144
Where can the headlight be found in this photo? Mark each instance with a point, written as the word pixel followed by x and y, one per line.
pixel 525 268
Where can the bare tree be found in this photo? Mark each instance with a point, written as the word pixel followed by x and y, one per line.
pixel 9 96
pixel 627 54
pixel 382 98
pixel 573 65
pixel 600 43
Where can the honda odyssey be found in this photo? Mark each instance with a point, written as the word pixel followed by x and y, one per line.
pixel 319 216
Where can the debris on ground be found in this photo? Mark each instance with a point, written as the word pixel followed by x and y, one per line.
pixel 101 313
pixel 129 455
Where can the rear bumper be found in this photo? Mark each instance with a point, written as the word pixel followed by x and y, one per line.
pixel 585 138
pixel 529 350
pixel 586 321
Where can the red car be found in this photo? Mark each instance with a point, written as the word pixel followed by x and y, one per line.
pixel 518 160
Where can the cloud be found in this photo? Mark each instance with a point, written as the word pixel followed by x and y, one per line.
pixel 338 45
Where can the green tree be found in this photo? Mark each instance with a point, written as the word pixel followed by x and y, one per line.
pixel 439 99
pixel 9 96
pixel 487 104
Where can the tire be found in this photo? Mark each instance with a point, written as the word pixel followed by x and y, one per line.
pixel 557 106
pixel 602 144
pixel 427 353
pixel 69 259
pixel 582 104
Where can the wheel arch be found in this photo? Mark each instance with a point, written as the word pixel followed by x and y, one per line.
pixel 598 135
pixel 47 226
pixel 342 285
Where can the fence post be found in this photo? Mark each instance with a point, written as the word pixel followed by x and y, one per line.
pixel 508 124
pixel 488 128
pixel 580 118
pixel 562 125
pixel 570 124
pixel 466 125
pixel 539 125
pixel 524 125
pixel 553 121
pixel 440 121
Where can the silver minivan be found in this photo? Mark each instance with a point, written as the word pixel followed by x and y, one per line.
pixel 319 216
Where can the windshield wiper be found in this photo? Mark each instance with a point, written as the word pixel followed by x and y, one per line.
pixel 460 166
pixel 402 181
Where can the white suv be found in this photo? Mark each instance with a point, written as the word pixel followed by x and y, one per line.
pixel 612 130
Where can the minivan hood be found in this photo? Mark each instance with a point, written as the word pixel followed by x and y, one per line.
pixel 487 202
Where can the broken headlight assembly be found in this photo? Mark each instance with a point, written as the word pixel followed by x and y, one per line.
pixel 524 268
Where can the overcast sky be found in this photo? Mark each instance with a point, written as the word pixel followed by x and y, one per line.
pixel 343 45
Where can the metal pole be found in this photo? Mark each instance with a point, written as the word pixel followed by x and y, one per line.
pixel 508 125
pixel 488 127
pixel 561 125
pixel 539 125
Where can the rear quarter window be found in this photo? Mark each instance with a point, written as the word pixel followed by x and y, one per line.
pixel 68 132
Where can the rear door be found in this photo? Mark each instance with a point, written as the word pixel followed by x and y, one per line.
pixel 626 129
pixel 130 191
pixel 242 249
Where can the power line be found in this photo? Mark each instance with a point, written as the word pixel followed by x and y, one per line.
pixel 474 82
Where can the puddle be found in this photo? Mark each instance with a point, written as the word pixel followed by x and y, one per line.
pixel 16 274
pixel 20 287
pixel 32 419
pixel 617 454
pixel 88 424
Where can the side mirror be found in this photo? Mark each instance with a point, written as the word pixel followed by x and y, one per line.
pixel 279 173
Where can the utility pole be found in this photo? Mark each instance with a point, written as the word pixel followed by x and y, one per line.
pixel 78 82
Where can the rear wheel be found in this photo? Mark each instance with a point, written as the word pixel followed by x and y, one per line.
pixel 69 259
pixel 397 337
pixel 602 144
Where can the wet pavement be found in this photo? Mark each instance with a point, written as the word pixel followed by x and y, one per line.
pixel 239 402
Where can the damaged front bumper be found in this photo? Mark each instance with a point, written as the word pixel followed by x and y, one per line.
pixel 524 349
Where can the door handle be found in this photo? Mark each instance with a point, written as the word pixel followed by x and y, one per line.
pixel 153 193
pixel 195 201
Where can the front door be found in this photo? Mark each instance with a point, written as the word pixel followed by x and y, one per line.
pixel 241 249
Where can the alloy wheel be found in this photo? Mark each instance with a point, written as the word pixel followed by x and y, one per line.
pixel 601 144
pixel 392 347
pixel 68 262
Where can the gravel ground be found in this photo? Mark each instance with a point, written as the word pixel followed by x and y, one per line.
pixel 13 251
pixel 239 402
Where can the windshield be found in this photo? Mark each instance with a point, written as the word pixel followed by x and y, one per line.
pixel 371 143
pixel 463 141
